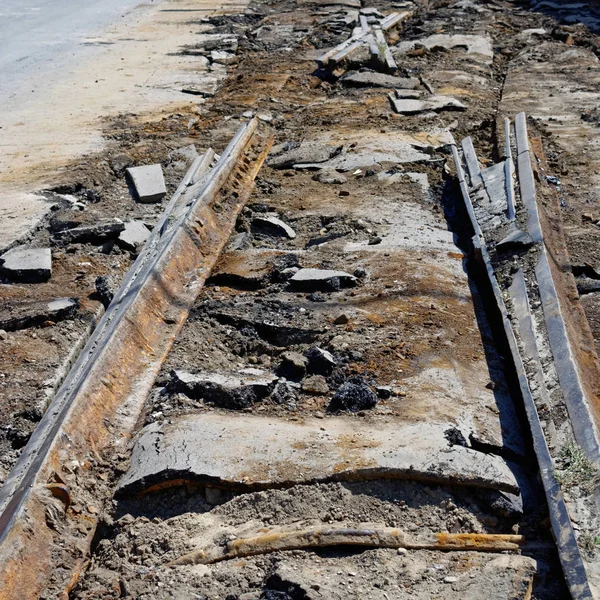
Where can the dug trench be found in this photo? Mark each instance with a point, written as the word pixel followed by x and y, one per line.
pixel 344 322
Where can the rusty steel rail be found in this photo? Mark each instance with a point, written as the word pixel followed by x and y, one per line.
pixel 98 403
pixel 570 556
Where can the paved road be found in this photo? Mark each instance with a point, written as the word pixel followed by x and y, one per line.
pixel 39 36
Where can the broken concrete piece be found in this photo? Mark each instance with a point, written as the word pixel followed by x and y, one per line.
pixel 433 103
pixel 272 226
pixel 148 182
pixel 29 265
pixel 516 240
pixel 133 235
pixel 255 451
pixel 315 384
pixel 354 395
pixel 90 233
pixel 307 153
pixel 312 280
pixel 404 93
pixel 32 314
pixel 234 390
pixel 292 366
pixel 320 362
pixel 374 79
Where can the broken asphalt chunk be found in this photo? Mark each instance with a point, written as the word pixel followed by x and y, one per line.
pixel 148 183
pixel 374 79
pixel 32 314
pixel 353 395
pixel 324 280
pixel 134 235
pixel 235 390
pixel 272 226
pixel 307 153
pixel 27 265
pixel 90 233
pixel 292 366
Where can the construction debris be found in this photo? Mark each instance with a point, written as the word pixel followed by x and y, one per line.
pixel 148 183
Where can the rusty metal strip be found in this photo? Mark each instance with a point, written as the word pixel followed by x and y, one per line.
pixel 279 539
pixel 100 399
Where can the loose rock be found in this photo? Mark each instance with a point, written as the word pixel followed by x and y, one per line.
pixel 315 385
pixel 31 314
pixel 272 226
pixel 227 390
pixel 321 280
pixel 293 365
pixel 373 79
pixel 320 362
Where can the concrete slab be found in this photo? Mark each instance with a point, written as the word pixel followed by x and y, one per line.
pixel 30 265
pixel 148 182
pixel 260 452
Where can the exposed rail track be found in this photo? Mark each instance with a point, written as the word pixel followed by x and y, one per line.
pixel 331 386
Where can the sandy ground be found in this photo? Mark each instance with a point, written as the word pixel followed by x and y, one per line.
pixel 135 66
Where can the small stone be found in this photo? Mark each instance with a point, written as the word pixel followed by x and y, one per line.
pixel 320 362
pixel 315 384
pixel 344 193
pixel 316 297
pixel 384 391
pixel 148 182
pixel 293 365
pixel 402 551
pixel 341 320
pixel 450 579
pixel 3 334
pixel 374 241
pixel 329 176
pixel 516 240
